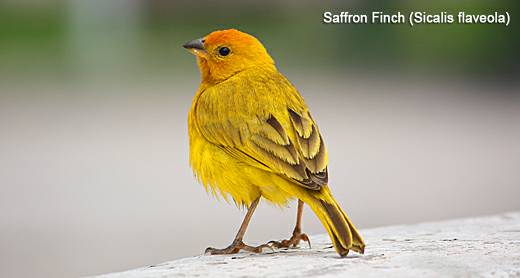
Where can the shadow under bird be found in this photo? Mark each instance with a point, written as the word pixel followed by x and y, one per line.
pixel 252 136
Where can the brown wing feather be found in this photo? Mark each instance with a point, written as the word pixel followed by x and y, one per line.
pixel 311 147
pixel 302 159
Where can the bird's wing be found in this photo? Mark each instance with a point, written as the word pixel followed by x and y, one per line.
pixel 270 129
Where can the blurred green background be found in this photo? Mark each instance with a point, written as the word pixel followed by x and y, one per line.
pixel 421 123
pixel 138 39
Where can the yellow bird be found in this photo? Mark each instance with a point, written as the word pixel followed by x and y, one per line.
pixel 252 136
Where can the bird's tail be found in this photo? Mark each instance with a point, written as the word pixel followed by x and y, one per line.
pixel 342 232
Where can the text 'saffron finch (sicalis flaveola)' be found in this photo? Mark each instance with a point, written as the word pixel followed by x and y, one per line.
pixel 252 137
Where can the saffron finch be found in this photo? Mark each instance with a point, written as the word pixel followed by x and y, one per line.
pixel 252 136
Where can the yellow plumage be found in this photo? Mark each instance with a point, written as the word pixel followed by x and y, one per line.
pixel 252 135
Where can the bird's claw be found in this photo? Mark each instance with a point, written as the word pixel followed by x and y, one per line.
pixel 236 247
pixel 294 241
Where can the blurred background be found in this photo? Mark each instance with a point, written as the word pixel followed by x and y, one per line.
pixel 421 123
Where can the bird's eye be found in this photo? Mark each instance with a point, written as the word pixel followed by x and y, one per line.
pixel 224 51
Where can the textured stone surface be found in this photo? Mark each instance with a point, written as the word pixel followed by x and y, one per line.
pixel 484 246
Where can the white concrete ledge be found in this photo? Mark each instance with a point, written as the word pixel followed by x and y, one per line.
pixel 483 246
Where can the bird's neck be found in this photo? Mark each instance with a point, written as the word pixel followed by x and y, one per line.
pixel 212 75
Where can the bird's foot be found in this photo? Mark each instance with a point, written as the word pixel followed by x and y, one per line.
pixel 235 247
pixel 294 241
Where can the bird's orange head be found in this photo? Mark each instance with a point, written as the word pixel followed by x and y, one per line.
pixel 222 54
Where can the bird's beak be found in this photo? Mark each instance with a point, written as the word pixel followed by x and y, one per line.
pixel 196 47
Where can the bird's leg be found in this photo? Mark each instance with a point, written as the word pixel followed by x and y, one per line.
pixel 297 232
pixel 238 244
